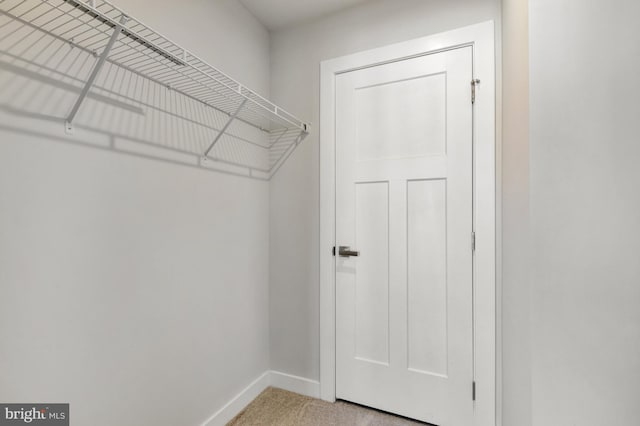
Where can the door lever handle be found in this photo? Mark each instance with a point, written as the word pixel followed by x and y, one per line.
pixel 344 251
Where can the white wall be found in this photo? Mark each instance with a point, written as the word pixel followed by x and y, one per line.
pixel 516 288
pixel 585 204
pixel 296 54
pixel 134 289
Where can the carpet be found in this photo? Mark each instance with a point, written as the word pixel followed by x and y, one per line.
pixel 282 408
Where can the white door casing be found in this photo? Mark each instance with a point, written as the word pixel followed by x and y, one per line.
pixel 404 200
pixel 415 195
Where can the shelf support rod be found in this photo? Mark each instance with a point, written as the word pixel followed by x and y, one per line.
pixel 226 126
pixel 94 73
pixel 285 155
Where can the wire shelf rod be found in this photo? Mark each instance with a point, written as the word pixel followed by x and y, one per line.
pixel 104 18
pixel 252 96
pixel 211 103
pixel 187 100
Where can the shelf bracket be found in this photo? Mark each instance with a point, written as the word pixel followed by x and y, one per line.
pixel 226 126
pixel 94 74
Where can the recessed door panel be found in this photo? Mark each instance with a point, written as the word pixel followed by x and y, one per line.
pixel 372 285
pixel 427 276
pixel 399 119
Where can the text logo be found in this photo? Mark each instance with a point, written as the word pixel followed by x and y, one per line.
pixel 34 414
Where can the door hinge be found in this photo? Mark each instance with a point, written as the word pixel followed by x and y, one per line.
pixel 473 390
pixel 473 241
pixel 334 250
pixel 474 83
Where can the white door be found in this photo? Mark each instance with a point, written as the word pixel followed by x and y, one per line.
pixel 404 320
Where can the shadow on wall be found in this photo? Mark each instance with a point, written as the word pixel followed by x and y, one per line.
pixel 42 75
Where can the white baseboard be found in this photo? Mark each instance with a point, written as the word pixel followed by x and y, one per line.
pixel 238 402
pixel 276 379
pixel 295 384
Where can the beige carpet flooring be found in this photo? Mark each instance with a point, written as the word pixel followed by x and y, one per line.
pixel 282 408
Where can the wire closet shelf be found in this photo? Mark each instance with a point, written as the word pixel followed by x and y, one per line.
pixel 41 35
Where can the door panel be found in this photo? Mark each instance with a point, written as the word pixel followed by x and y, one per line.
pixel 372 284
pixel 386 128
pixel 427 276
pixel 404 200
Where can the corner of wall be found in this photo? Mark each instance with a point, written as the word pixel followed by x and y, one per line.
pixel 515 362
pixel 267 379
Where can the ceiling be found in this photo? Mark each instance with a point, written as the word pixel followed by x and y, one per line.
pixel 277 14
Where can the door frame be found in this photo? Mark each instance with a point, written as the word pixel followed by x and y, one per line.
pixel 481 38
